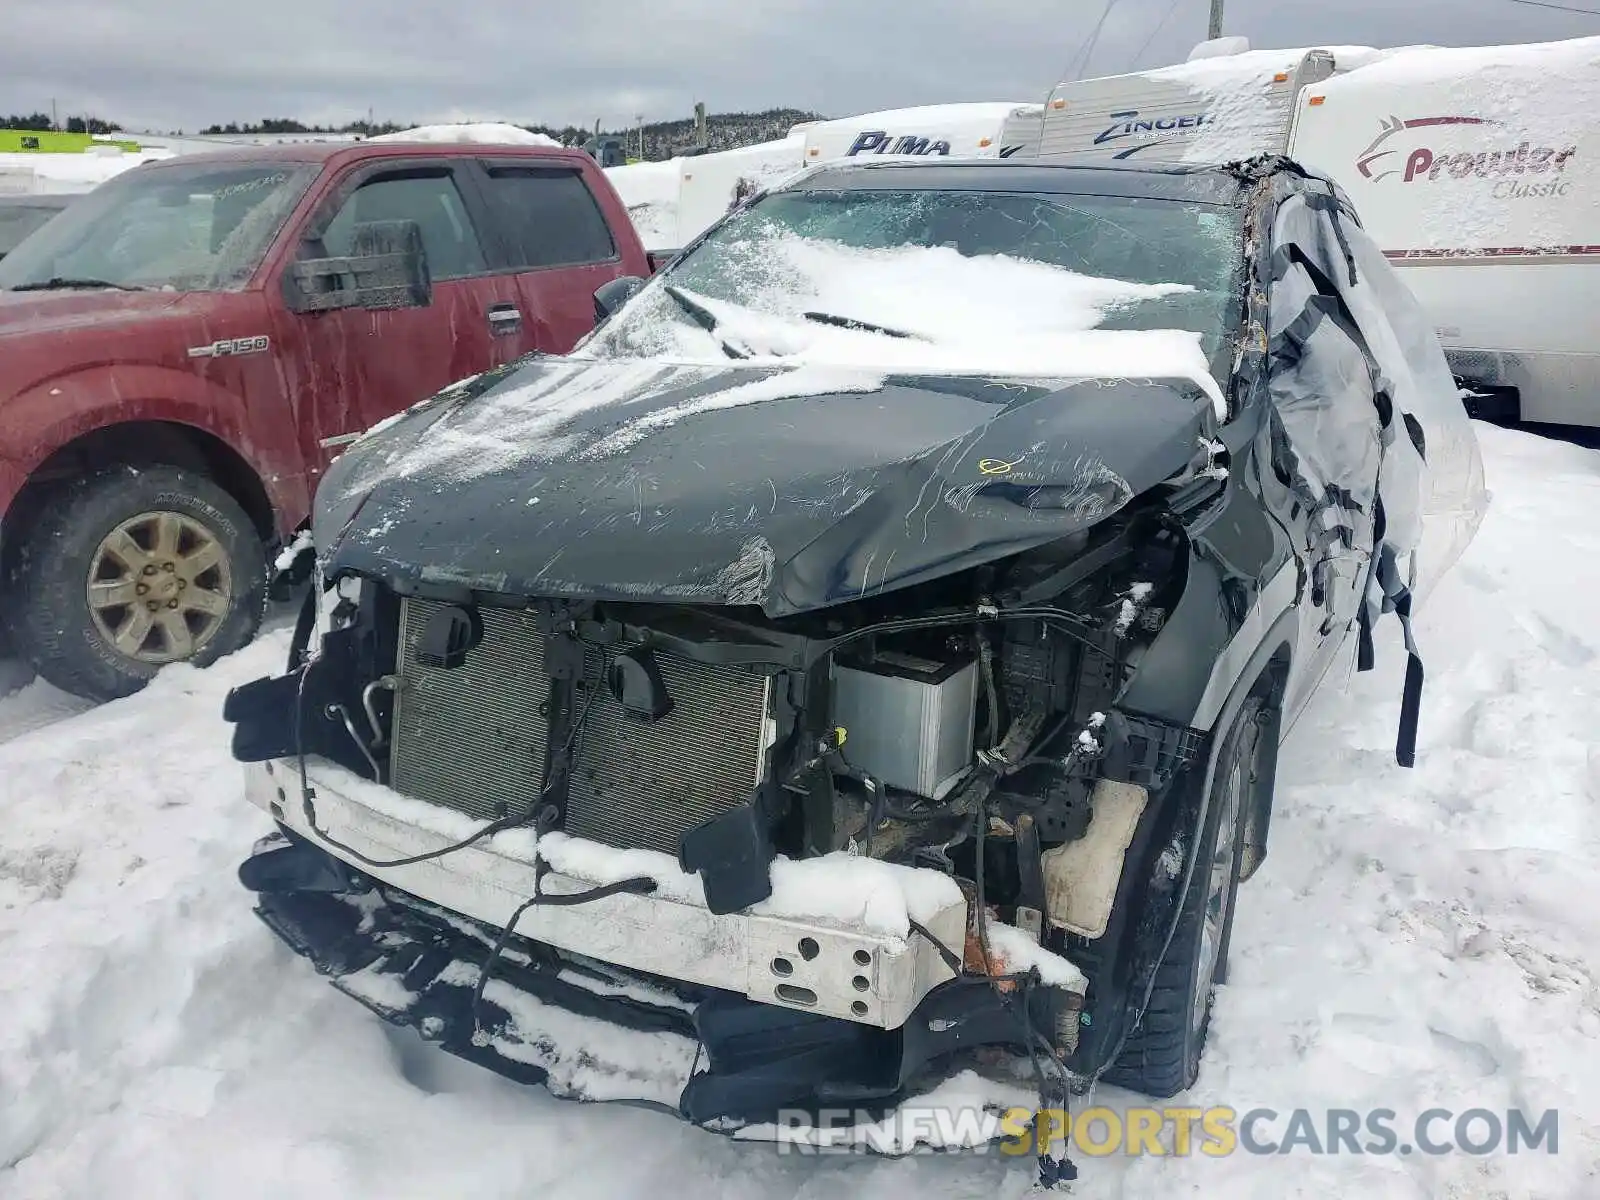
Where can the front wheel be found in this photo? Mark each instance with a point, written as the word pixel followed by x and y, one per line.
pixel 1162 1055
pixel 132 569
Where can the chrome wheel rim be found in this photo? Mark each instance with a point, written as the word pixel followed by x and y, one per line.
pixel 159 587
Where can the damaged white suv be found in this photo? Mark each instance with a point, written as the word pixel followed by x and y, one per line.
pixel 872 644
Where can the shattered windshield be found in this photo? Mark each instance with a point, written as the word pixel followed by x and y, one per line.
pixel 942 276
pixel 186 227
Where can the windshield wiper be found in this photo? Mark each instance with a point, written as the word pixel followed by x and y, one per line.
pixel 823 318
pixel 701 316
pixel 61 284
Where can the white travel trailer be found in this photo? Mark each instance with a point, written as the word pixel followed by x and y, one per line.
pixel 710 184
pixel 705 186
pixel 958 130
pixel 1478 172
pixel 1215 107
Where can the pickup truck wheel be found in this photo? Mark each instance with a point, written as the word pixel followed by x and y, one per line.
pixel 132 569
pixel 1162 1055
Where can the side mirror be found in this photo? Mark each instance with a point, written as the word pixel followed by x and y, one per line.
pixel 386 268
pixel 609 297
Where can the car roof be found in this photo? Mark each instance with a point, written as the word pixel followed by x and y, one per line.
pixel 1204 183
pixel 339 153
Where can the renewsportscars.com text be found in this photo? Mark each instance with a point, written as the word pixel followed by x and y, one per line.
pixel 1173 1131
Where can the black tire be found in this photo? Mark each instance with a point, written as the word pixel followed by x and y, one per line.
pixel 49 611
pixel 1162 1055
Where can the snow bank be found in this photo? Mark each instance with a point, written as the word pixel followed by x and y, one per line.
pixel 66 173
pixel 487 133
pixel 650 191
pixel 674 202
pixel 712 183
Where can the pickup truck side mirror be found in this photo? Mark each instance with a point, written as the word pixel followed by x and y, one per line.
pixel 387 267
pixel 609 297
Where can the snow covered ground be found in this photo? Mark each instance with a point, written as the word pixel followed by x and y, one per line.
pixel 1415 939
pixel 55 173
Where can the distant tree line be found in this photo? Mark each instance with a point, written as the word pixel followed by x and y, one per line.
pixel 289 125
pixel 661 139
pixel 41 123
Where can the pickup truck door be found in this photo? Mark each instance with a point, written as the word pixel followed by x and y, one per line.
pixel 553 237
pixel 355 366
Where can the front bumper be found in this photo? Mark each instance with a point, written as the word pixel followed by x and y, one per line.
pixel 828 968
pixel 623 998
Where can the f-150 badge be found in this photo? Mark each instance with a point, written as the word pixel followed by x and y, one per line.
pixel 229 347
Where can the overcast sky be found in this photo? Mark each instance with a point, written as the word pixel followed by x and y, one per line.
pixel 181 64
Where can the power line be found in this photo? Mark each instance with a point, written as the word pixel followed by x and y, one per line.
pixel 1080 62
pixel 1588 12
pixel 1150 41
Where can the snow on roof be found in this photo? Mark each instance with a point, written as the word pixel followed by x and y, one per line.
pixel 1545 61
pixel 1252 65
pixel 1551 89
pixel 488 133
pixel 930 114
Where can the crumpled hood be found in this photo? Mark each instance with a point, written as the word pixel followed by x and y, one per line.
pixel 786 488
pixel 51 312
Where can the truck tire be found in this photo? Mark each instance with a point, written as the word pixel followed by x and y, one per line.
pixel 1162 1055
pixel 130 569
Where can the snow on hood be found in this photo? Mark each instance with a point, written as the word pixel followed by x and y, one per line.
pixel 487 133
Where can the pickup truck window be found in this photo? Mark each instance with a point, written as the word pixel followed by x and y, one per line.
pixel 433 202
pixel 188 227
pixel 549 216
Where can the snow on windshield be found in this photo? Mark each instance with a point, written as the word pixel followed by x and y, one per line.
pixel 1055 287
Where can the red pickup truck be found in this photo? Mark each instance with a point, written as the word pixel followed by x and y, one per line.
pixel 184 351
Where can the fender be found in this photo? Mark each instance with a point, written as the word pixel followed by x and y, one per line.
pixel 56 411
pixel 1097 1050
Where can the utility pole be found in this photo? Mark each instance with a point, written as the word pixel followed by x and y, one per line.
pixel 55 127
pixel 1215 30
pixel 638 120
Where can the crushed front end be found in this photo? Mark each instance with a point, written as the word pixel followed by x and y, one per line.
pixel 728 864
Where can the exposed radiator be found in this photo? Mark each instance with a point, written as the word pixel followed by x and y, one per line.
pixel 642 785
pixel 474 738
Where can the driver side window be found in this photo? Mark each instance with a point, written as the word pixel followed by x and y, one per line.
pixel 433 201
